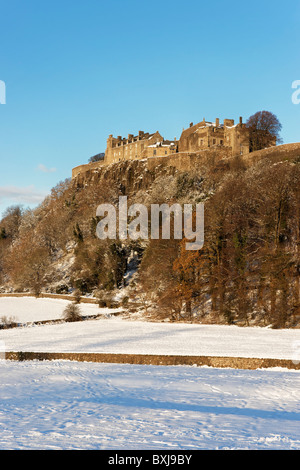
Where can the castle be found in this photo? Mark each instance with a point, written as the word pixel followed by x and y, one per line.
pixel 195 138
pixel 143 145
pixel 226 137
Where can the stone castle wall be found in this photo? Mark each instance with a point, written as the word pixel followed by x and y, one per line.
pixel 86 167
pixel 181 161
pixel 187 161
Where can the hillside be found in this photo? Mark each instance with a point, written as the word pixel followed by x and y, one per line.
pixel 247 273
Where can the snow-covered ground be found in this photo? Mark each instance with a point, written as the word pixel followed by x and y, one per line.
pixel 116 335
pixel 30 309
pixel 66 405
pixel 70 405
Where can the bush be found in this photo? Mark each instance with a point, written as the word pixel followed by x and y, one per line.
pixel 125 301
pixel 62 289
pixel 97 158
pixel 82 285
pixel 7 322
pixel 105 300
pixel 72 313
pixel 77 296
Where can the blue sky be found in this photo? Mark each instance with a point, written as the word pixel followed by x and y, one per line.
pixel 77 71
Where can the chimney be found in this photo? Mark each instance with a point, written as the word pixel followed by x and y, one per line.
pixel 217 122
pixel 191 124
pixel 241 120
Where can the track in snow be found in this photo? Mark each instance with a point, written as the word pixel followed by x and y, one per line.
pixel 67 405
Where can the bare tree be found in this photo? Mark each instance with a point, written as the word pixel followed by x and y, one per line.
pixel 264 128
pixel 27 263
pixel 11 221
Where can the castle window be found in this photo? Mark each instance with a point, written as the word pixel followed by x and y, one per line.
pixel 154 152
pixel 221 142
pixel 214 141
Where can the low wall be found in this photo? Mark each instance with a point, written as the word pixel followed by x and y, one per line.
pixel 162 360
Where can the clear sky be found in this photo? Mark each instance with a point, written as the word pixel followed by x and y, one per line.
pixel 77 71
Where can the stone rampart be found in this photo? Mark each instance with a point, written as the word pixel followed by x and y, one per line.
pixel 186 161
pixel 86 167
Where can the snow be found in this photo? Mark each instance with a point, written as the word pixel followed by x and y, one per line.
pixel 82 405
pixel 30 309
pixel 111 334
pixel 65 405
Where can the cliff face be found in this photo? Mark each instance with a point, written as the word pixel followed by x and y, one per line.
pixel 128 176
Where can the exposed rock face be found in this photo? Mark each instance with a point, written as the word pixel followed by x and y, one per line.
pixel 131 176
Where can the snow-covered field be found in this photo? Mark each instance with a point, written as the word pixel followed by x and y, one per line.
pixel 30 309
pixel 66 405
pixel 116 335
pixel 70 405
